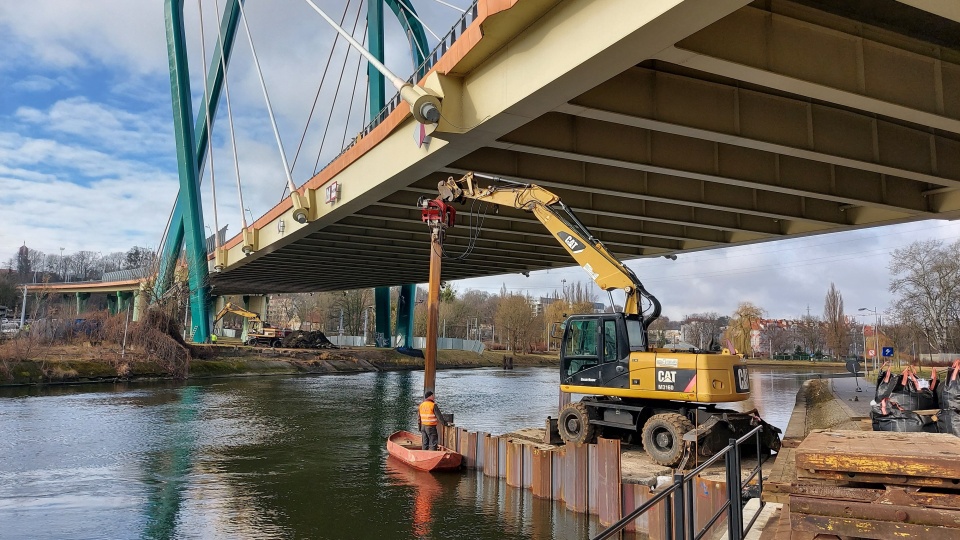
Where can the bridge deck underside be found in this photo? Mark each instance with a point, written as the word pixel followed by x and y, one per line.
pixel 777 120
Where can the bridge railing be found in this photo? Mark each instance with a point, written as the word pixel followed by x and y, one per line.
pixel 679 498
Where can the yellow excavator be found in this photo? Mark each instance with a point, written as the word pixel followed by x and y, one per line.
pixel 258 332
pixel 664 397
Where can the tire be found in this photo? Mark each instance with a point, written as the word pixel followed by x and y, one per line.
pixel 251 341
pixel 663 437
pixel 574 424
pixel 276 343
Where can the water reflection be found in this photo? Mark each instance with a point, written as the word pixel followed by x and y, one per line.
pixel 277 458
pixel 168 467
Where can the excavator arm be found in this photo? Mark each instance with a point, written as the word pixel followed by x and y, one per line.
pixel 589 252
pixel 236 310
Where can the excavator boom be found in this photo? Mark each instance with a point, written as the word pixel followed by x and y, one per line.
pixel 236 310
pixel 606 270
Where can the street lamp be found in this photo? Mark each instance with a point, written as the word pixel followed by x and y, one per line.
pixel 876 333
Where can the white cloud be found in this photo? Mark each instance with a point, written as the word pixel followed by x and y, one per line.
pixel 44 205
pixel 65 34
pixel 102 126
pixel 35 83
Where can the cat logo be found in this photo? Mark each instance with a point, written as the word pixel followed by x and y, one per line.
pixel 666 376
pixel 572 244
pixel 741 379
pixel 667 379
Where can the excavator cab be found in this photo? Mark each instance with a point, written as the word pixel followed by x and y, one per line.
pixel 596 348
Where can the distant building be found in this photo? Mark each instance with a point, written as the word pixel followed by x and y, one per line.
pixel 672 336
pixel 539 305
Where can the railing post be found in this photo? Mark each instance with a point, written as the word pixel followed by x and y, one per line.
pixel 668 517
pixel 688 491
pixel 680 509
pixel 735 509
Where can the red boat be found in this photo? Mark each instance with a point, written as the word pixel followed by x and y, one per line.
pixel 405 446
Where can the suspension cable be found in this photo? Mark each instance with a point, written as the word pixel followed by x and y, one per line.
pixel 316 98
pixel 397 82
pixel 206 113
pixel 450 6
pixel 273 121
pixel 353 95
pixel 409 9
pixel 366 103
pixel 233 139
pixel 336 94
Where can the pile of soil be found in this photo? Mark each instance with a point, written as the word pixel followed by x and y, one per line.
pixel 307 340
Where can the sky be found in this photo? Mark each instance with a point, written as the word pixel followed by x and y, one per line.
pixel 88 160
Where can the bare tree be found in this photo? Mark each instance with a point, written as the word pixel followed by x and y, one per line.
pixel 139 257
pixel 353 303
pixel 810 333
pixel 836 326
pixel 83 262
pixel 926 280
pixel 51 264
pixel 37 261
pixel 114 261
pixel 578 295
pixel 899 333
pixel 704 328
pixel 657 332
pixel 515 317
pixel 776 337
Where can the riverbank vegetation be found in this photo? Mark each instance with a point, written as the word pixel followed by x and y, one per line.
pixel 104 347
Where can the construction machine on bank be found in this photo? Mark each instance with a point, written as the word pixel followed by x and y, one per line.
pixel 665 398
pixel 258 331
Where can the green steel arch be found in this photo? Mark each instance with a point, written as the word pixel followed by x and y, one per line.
pixel 419 48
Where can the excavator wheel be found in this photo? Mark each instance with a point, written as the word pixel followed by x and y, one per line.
pixel 574 424
pixel 663 437
pixel 276 343
pixel 251 341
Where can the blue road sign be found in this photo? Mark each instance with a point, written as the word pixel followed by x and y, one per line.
pixel 887 351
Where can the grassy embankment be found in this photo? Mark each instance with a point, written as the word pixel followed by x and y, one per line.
pixel 83 364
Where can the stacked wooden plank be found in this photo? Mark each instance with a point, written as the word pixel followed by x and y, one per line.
pixel 865 484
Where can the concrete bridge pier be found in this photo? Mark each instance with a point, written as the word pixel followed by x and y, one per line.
pixel 82 302
pixel 124 300
pixel 139 304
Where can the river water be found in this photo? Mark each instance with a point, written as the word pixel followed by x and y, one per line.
pixel 278 457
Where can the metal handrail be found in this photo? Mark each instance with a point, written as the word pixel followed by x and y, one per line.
pixel 618 526
pixel 679 509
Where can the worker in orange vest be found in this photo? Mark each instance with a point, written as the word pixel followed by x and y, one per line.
pixel 429 416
